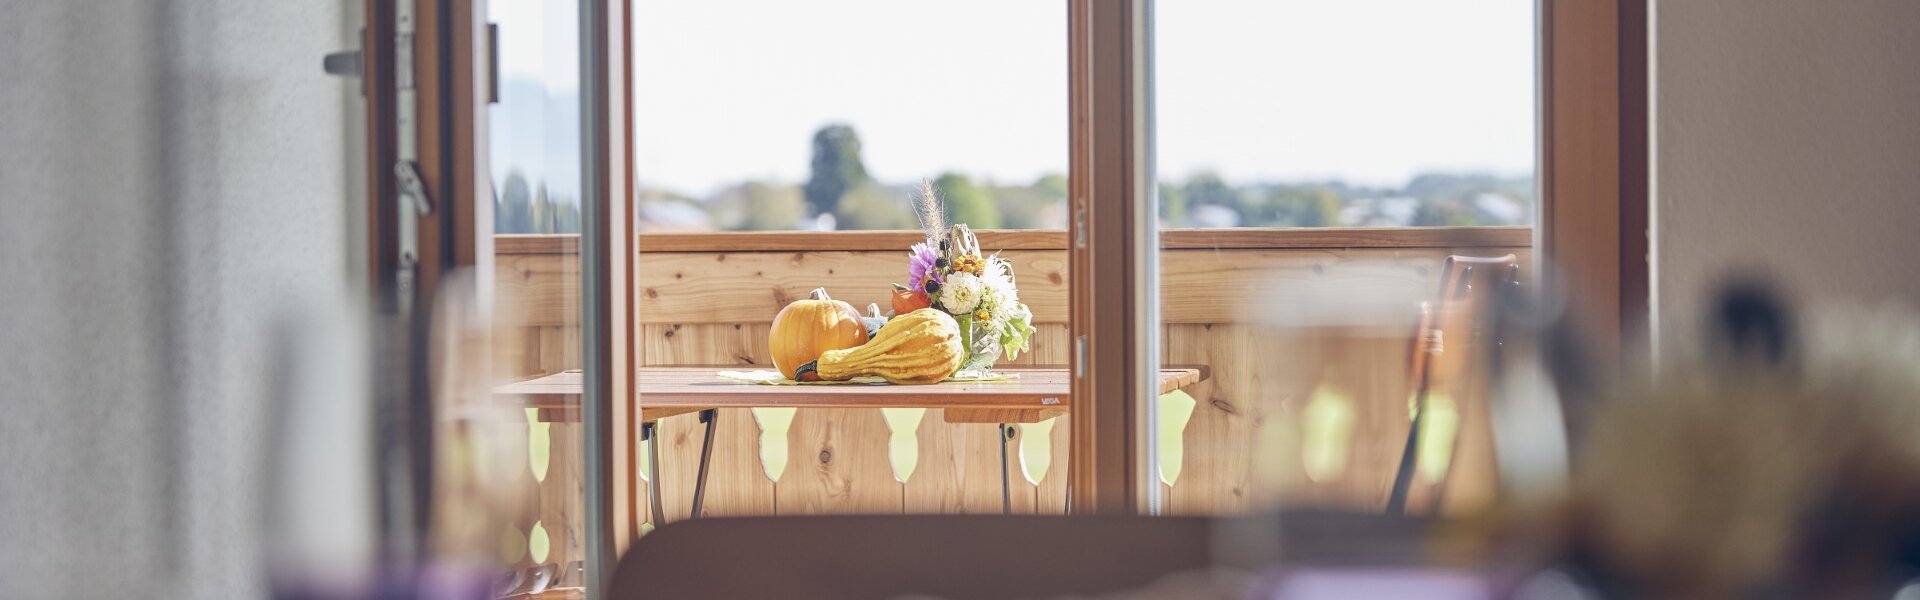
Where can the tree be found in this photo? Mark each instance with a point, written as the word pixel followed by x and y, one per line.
pixel 967 203
pixel 542 221
pixel 1023 207
pixel 566 215
pixel 1443 213
pixel 1173 205
pixel 513 212
pixel 836 167
pixel 1205 189
pixel 1052 183
pixel 1298 206
pixel 767 206
pixel 870 206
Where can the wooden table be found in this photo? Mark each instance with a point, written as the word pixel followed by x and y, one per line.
pixel 1037 394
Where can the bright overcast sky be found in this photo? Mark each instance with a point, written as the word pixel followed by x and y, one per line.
pixel 1371 91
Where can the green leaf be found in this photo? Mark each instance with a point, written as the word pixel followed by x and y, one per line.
pixel 1017 336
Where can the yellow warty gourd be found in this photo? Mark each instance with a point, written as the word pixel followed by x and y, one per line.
pixel 922 346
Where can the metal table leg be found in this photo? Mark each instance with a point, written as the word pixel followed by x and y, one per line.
pixel 1006 483
pixel 648 435
pixel 711 417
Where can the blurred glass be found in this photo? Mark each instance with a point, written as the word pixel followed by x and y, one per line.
pixel 492 440
pixel 778 115
pixel 1370 113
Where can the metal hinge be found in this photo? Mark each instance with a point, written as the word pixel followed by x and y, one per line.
pixel 413 187
pixel 413 201
pixel 1080 225
pixel 493 63
pixel 1080 357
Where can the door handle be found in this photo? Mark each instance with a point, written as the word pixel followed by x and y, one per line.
pixel 345 63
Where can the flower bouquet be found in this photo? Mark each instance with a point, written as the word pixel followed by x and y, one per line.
pixel 949 272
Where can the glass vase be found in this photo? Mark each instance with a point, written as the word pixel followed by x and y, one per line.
pixel 981 343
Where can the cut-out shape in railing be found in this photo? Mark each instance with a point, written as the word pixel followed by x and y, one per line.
pixel 773 423
pixel 538 544
pixel 513 545
pixel 539 446
pixel 1176 408
pixel 1327 429
pixel 903 443
pixel 1437 432
pixel 1036 449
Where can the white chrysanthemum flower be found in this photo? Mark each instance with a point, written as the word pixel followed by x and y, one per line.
pixel 999 299
pixel 961 293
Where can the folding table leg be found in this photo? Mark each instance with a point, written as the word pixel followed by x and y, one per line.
pixel 652 438
pixel 1006 483
pixel 711 417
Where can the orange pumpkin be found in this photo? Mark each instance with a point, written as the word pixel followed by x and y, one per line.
pixel 806 328
pixel 909 300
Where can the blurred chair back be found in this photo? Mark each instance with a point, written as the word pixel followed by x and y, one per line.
pixel 1451 428
pixel 960 557
pixel 942 556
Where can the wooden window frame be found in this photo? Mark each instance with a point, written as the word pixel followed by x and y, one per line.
pixel 1593 182
pixel 1594 178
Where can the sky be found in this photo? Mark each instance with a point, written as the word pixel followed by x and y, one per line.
pixel 1369 91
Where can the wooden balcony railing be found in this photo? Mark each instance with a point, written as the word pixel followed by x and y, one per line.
pixel 1305 332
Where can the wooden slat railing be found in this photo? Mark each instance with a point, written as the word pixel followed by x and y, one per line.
pixel 1304 331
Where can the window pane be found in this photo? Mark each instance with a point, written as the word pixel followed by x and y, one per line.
pixel 534 130
pixel 1356 113
pixel 539 534
pixel 774 114
pixel 1320 347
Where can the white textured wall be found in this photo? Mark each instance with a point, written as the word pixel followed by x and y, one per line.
pixel 1787 138
pixel 171 174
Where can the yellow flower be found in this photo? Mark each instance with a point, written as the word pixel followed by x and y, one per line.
pixel 980 315
pixel 970 263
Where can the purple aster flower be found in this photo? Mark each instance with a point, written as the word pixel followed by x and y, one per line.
pixel 921 266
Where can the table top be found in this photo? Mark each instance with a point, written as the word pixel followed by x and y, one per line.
pixel 1034 394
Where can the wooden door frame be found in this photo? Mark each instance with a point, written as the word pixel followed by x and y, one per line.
pixel 447 82
pixel 452 80
pixel 1111 252
pixel 610 403
pixel 445 121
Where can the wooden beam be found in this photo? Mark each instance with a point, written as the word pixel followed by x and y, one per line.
pixel 814 241
pixel 1107 255
pixel 606 266
pixel 1594 212
pixel 1197 286
pixel 1636 184
pixel 1046 239
pixel 376 45
pixel 627 409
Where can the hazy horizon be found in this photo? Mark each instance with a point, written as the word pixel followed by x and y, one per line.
pixel 1370 92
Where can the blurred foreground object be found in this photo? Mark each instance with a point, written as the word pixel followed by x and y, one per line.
pixel 376 491
pixel 1784 463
